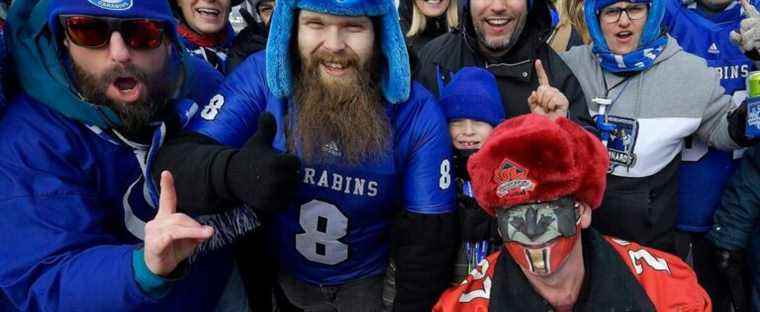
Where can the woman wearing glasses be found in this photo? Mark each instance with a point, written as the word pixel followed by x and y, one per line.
pixel 205 30
pixel 647 96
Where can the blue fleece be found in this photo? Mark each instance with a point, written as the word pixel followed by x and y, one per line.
pixel 472 94
pixel 396 77
pixel 151 284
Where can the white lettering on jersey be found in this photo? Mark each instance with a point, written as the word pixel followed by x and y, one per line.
pixel 478 274
pixel 658 264
pixel 308 176
pixel 323 226
pixel 341 183
pixel 445 181
pixel 210 111
pixel 733 71
pixel 372 186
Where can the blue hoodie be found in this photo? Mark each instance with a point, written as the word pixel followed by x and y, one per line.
pixel 75 201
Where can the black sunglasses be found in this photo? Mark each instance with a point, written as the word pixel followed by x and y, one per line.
pixel 95 32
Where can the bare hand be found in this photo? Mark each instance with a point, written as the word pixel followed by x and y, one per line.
pixel 748 37
pixel 547 100
pixel 171 237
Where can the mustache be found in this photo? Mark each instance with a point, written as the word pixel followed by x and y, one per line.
pixel 347 59
pixel 128 70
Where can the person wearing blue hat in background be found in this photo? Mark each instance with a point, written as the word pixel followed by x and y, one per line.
pixel 473 109
pixel 84 229
pixel 333 88
pixel 648 96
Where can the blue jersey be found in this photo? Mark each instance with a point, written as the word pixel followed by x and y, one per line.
pixel 336 230
pixel 705 171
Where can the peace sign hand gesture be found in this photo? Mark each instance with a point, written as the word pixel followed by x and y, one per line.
pixel 547 100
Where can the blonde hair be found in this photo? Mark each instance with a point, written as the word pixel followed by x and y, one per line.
pixel 571 13
pixel 419 20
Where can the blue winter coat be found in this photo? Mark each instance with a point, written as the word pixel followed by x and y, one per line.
pixel 74 197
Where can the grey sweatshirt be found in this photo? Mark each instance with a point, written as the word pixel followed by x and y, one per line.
pixel 675 98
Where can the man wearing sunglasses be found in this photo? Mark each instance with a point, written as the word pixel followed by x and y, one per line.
pixel 376 174
pixel 85 231
pixel 551 259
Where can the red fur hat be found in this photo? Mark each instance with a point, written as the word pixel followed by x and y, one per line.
pixel 531 158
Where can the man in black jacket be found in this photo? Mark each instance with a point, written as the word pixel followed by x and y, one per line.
pixel 506 37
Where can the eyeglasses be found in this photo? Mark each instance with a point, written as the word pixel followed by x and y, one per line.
pixel 635 12
pixel 95 32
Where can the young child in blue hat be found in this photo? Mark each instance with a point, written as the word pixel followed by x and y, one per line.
pixel 473 108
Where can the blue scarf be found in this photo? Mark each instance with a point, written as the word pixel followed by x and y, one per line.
pixel 634 61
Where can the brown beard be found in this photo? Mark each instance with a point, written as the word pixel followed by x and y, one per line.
pixel 135 117
pixel 349 111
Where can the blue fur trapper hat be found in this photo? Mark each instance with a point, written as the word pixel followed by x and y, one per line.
pixel 148 9
pixel 472 94
pixel 395 78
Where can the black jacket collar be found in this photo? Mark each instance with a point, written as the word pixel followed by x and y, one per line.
pixel 608 285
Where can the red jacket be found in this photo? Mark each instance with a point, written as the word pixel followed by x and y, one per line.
pixel 668 282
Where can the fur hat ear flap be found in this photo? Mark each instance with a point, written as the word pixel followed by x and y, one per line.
pixel 396 76
pixel 396 83
pixel 278 62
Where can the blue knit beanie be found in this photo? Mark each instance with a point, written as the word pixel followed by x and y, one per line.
pixel 395 77
pixel 148 9
pixel 472 94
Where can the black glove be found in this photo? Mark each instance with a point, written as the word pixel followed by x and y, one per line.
pixel 731 265
pixel 261 176
pixel 474 223
pixel 737 126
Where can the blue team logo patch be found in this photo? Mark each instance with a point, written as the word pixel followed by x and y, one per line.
pixel 113 5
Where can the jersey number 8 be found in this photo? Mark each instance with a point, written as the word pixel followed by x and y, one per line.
pixel 324 225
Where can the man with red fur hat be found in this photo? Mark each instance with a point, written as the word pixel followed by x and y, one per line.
pixel 541 179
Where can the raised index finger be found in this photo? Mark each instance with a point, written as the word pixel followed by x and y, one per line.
pixel 543 79
pixel 167 202
pixel 749 9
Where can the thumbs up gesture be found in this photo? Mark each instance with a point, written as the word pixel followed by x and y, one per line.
pixel 547 100
pixel 171 237
pixel 748 36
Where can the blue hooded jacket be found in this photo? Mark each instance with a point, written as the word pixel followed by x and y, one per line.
pixel 74 199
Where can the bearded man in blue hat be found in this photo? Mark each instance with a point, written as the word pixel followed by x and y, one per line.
pixel 376 175
pixel 84 231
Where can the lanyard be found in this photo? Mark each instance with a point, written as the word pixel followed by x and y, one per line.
pixel 605 105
